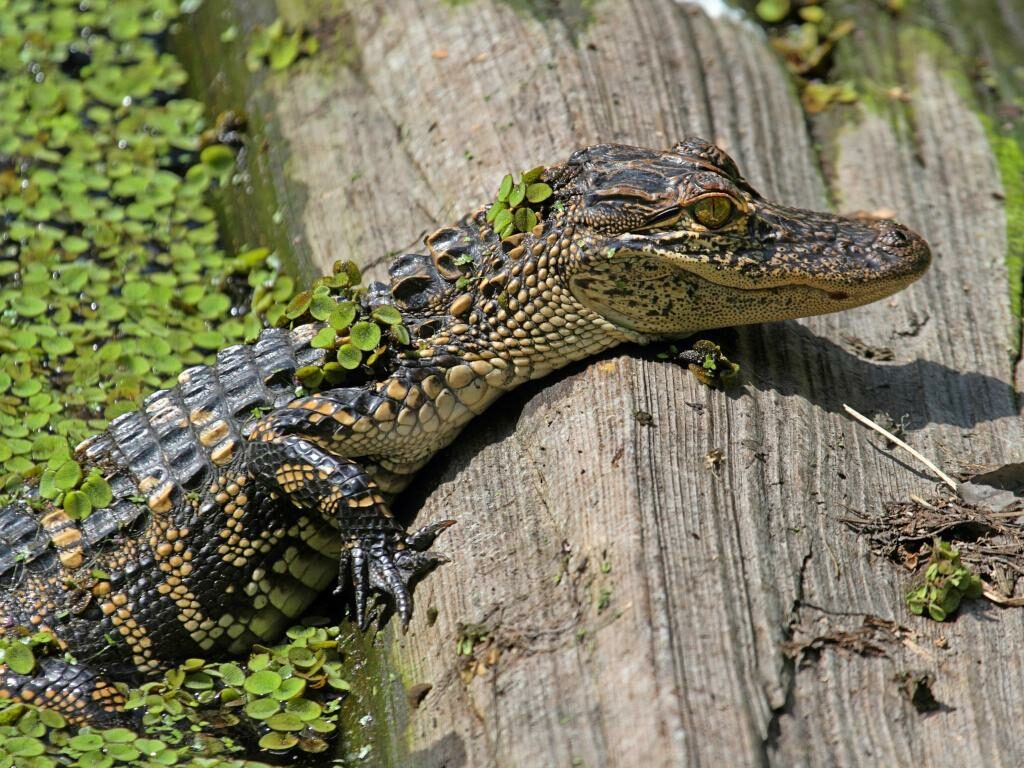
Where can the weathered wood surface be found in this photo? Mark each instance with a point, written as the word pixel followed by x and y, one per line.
pixel 638 602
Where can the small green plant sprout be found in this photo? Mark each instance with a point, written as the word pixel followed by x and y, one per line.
pixel 278 47
pixel 706 361
pixel 947 581
pixel 517 205
pixel 352 336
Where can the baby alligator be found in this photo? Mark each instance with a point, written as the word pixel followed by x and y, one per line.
pixel 225 526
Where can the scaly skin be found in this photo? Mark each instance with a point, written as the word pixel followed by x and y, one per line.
pixel 245 520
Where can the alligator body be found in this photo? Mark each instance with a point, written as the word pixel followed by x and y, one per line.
pixel 226 524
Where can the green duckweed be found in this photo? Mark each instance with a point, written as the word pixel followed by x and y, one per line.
pixel 288 694
pixel 112 276
pixel 517 204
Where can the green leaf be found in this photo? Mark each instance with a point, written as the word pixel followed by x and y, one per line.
pixel 342 315
pixel 525 219
pixel 321 306
pixel 772 11
pixel 218 158
pixel 24 746
pixel 86 742
pixel 67 475
pixel 310 375
pixel 252 328
pixel 211 340
pixel 304 709
pixel 494 210
pixel 27 388
pixel 52 718
pixel 401 335
pixel 199 681
pixel 60 345
pixel 19 657
pixel 119 736
pixel 263 682
pixel 291 688
pixel 278 741
pixel 298 305
pixel 502 220
pixel 286 721
pixel 150 747
pixel 365 336
pixel 974 588
pixel 517 195
pixel 350 269
pixel 98 490
pixel 126 753
pixel 812 13
pixel 349 357
pixel 505 188
pixel 386 314
pixel 324 338
pixel 47 487
pixel 214 305
pixel 262 708
pixel 284 51
pixel 532 175
pixel 538 193
pixel 77 505
pixel 232 674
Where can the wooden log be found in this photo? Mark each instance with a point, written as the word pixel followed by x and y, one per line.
pixel 637 554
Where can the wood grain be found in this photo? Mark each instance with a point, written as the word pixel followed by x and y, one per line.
pixel 633 601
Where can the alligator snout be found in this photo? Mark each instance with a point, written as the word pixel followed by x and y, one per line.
pixel 897 250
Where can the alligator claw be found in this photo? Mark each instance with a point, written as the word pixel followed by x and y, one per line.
pixel 381 563
pixel 424 537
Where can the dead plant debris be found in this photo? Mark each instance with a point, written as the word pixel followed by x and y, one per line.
pixel 986 528
pixel 874 637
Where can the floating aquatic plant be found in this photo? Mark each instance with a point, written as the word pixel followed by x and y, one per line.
pixel 112 276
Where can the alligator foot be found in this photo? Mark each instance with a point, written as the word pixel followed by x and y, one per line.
pixel 386 563
pixel 379 555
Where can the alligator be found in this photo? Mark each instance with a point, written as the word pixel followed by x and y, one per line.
pixel 228 522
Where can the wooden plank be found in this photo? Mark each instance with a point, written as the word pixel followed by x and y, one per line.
pixel 631 604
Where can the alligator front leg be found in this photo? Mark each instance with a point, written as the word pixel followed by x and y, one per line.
pixel 379 554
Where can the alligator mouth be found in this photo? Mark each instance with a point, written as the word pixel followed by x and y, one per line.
pixel 715 305
pixel 853 284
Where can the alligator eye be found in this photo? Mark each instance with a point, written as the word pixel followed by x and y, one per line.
pixel 713 212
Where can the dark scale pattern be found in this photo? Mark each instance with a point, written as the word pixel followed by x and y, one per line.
pixel 243 521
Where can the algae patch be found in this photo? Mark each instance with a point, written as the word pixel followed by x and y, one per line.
pixel 1010 157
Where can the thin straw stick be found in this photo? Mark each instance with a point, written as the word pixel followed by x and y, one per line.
pixel 889 435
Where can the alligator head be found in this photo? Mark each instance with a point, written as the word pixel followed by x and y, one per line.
pixel 667 243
